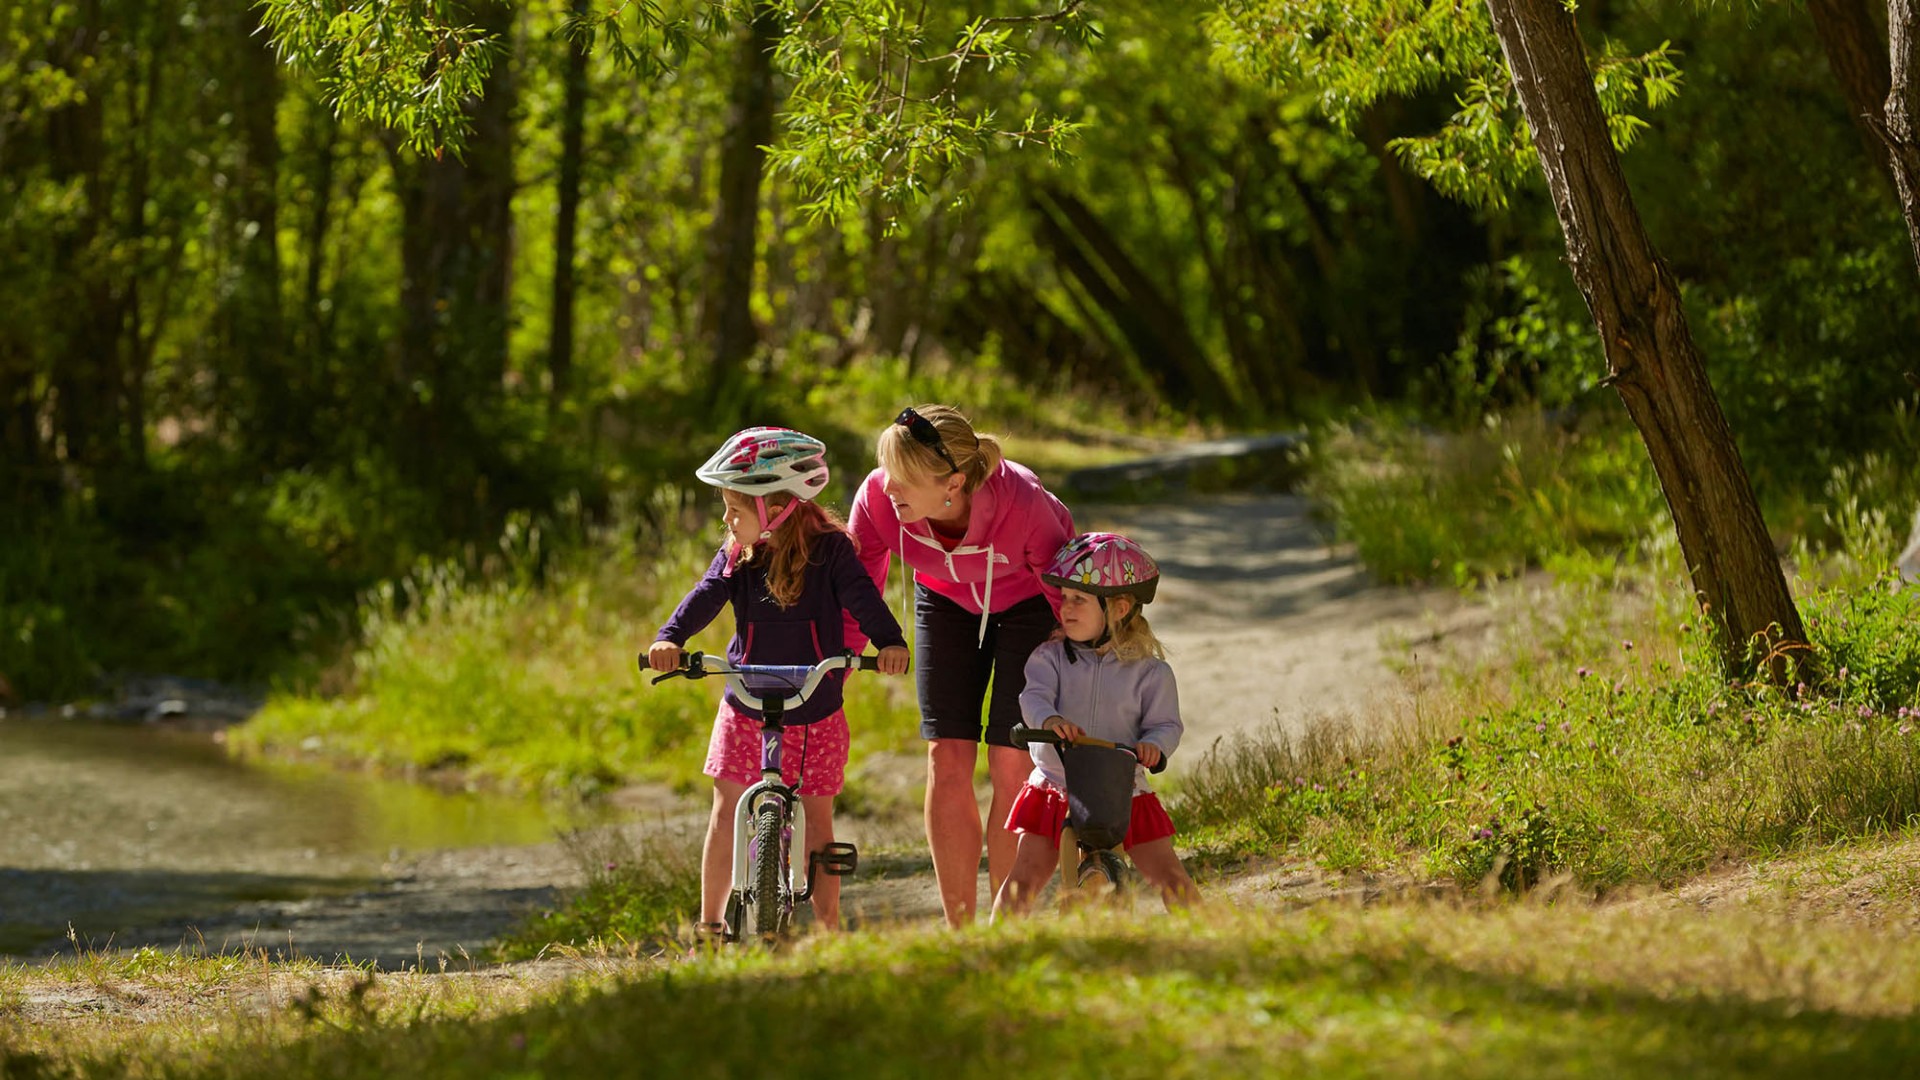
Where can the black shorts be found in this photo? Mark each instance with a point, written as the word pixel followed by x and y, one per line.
pixel 954 667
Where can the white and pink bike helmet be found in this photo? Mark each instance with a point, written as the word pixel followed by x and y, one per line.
pixel 1104 564
pixel 765 460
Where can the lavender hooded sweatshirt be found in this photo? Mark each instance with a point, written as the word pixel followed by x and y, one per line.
pixel 1127 702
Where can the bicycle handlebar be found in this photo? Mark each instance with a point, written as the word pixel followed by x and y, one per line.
pixel 802 679
pixel 1022 735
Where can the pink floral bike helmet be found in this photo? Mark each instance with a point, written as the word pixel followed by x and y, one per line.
pixel 763 461
pixel 1104 564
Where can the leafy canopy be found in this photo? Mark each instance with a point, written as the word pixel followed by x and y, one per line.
pixel 875 102
pixel 1353 54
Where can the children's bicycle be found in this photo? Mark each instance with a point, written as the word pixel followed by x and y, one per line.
pixel 1099 777
pixel 767 886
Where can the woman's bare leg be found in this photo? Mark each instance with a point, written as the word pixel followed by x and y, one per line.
pixel 953 826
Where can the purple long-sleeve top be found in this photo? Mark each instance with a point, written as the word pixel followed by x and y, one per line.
pixel 1129 701
pixel 837 586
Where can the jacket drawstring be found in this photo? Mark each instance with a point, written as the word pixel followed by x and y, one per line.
pixel 986 602
pixel 986 607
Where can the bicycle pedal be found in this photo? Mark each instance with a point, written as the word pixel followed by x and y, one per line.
pixel 836 859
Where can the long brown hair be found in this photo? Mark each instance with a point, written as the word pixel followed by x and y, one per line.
pixel 786 554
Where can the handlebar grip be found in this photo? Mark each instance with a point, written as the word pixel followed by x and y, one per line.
pixel 1021 735
pixel 867 663
pixel 1158 766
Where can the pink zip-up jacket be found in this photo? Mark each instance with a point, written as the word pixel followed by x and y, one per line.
pixel 1015 528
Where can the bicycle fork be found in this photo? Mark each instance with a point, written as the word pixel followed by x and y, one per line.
pixel 793 812
pixel 836 858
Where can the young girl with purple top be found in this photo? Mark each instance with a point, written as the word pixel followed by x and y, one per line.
pixel 1104 675
pixel 794 579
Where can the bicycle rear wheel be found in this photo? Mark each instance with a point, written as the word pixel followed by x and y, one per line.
pixel 765 914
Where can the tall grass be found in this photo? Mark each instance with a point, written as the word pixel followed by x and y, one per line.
pixel 1639 763
pixel 529 680
pixel 635 899
pixel 1490 501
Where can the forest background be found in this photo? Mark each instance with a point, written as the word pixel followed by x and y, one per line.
pixel 263 353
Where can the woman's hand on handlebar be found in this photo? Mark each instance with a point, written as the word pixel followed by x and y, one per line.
pixel 1148 753
pixel 663 656
pixel 893 660
pixel 1065 728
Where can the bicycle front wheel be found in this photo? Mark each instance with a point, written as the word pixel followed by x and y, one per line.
pixel 768 823
pixel 1102 871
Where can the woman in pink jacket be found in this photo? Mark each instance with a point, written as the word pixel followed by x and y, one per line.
pixel 975 530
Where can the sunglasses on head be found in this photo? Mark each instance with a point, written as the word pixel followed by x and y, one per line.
pixel 926 435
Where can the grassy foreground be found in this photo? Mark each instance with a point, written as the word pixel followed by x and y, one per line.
pixel 1431 988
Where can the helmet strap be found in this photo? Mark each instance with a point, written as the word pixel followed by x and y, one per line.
pixel 760 510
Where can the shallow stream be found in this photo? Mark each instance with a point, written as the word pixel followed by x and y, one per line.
pixel 104 827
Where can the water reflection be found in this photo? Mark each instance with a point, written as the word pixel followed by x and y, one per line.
pixel 114 822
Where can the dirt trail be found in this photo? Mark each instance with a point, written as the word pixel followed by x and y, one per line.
pixel 1263 622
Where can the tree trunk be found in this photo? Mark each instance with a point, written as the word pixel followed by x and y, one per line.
pixel 1903 112
pixel 86 362
pixel 734 241
pixel 1651 357
pixel 253 314
pixel 455 252
pixel 314 240
pixel 573 112
pixel 1852 44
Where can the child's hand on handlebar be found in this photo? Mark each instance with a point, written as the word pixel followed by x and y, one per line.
pixel 1065 728
pixel 663 656
pixel 1148 753
pixel 893 660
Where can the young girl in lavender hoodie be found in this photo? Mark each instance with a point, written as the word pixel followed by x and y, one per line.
pixel 791 573
pixel 1106 676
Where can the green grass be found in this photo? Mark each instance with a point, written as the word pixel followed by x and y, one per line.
pixel 534 687
pixel 1487 502
pixel 1454 989
pixel 635 899
pixel 1625 761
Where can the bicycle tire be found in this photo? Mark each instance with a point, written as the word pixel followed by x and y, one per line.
pixel 1103 864
pixel 768 823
